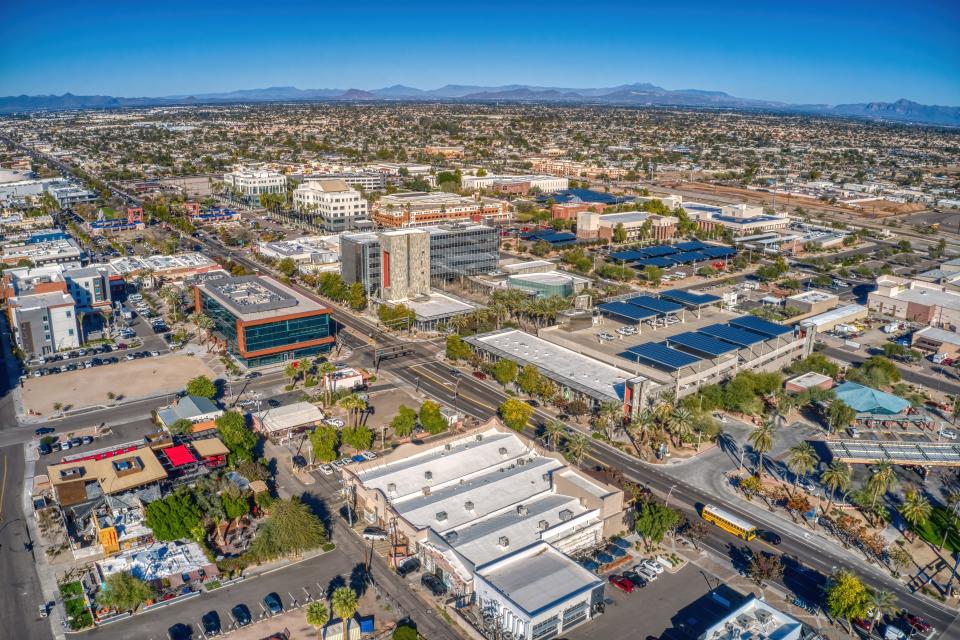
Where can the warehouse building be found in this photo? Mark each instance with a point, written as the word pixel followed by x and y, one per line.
pixel 937 341
pixel 917 301
pixel 830 320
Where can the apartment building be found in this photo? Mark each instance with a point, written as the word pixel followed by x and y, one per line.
pixel 64 251
pixel 418 208
pixel 572 168
pixel 44 320
pixel 335 205
pixel 89 286
pixel 249 184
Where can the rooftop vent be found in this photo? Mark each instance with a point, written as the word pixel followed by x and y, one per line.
pixel 428 475
pixel 451 536
pixel 448 446
pixel 521 461
pixel 479 437
pixel 392 487
pixel 441 516
pixel 543 525
pixel 566 515
pixel 504 541
pixel 468 505
pixel 426 491
pixel 503 451
pixel 521 509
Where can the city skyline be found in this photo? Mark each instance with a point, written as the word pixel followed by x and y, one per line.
pixel 830 54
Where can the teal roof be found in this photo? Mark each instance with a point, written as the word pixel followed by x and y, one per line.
pixel 866 400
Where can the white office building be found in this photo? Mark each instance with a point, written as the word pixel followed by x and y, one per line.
pixel 44 323
pixel 249 184
pixel 335 204
pixel 546 184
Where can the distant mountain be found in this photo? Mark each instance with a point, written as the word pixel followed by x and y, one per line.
pixel 636 94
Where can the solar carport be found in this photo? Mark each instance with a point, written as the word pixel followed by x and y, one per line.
pixel 690 300
pixel 627 256
pixel 761 326
pixel 661 261
pixel 656 304
pixel 625 311
pixel 733 335
pixel 932 454
pixel 702 344
pixel 659 354
pixel 689 257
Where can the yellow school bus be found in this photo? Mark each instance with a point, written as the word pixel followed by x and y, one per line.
pixel 729 522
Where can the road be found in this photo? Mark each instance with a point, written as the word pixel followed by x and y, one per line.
pixel 938 383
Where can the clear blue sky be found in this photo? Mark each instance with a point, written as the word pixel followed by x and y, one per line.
pixel 813 52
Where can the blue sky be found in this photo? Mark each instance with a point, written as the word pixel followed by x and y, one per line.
pixel 816 52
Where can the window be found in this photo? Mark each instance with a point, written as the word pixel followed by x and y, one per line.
pixel 546 629
pixel 69 313
pixel 69 332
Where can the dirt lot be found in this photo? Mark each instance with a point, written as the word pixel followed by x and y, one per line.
pixel 128 378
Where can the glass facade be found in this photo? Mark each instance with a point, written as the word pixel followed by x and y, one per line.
pixel 467 251
pixel 224 322
pixel 286 332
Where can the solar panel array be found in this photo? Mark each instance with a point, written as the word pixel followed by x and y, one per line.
pixel 656 304
pixel 936 453
pixel 625 310
pixel 627 256
pixel 660 354
pixel 733 335
pixel 662 262
pixel 693 245
pixel 719 252
pixel 666 255
pixel 701 343
pixel 761 326
pixel 687 258
pixel 688 298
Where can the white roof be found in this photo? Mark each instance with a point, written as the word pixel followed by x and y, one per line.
pixel 438 305
pixel 290 416
pixel 537 577
pixel 813 296
pixel 834 315
pixel 809 379
pixel 563 365
pixel 938 335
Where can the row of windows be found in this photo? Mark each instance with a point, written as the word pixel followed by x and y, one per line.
pixel 286 332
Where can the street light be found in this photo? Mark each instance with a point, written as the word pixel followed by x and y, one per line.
pixel 666 503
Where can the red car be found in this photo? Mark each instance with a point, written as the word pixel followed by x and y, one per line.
pixel 479 375
pixel 917 622
pixel 863 624
pixel 621 583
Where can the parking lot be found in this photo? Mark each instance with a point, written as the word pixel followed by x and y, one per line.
pixel 134 378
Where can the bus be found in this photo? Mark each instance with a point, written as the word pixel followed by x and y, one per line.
pixel 729 522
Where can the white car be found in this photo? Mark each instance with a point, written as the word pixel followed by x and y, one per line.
pixel 949 434
pixel 653 565
pixel 326 470
pixel 646 572
pixel 154 353
pixel 369 455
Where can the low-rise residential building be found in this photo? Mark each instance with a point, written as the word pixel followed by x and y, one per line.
pixel 249 184
pixel 334 204
pixel 201 412
pixel 916 301
pixel 418 208
pixel 90 286
pixel 44 321
pixel 279 423
pixel 79 481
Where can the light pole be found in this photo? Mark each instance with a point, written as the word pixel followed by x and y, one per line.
pixel 666 502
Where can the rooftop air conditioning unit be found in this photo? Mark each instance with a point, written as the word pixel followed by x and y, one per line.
pixel 503 451
pixel 428 475
pixel 566 515
pixel 451 536
pixel 448 446
pixel 468 505
pixel 441 516
pixel 392 487
pixel 521 461
pixel 504 541
pixel 521 509
pixel 479 437
pixel 426 491
pixel 543 525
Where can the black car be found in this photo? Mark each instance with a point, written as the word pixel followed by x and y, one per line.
pixel 771 537
pixel 273 603
pixel 44 449
pixel 76 442
pixel 533 403
pixel 241 614
pixel 434 584
pixel 635 578
pixel 211 623
pixel 42 431
pixel 180 631
pixel 412 565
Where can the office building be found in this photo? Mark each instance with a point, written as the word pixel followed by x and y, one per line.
pixel 249 184
pixel 547 285
pixel 260 321
pixel 753 618
pixel 63 251
pixel 741 219
pixel 515 184
pixel 453 251
pixel 333 204
pixel 68 194
pixel 44 321
pixel 834 319
pixel 417 209
pixel 496 520
pixel 813 301
pixel 638 225
pixel 931 304
pixel 173 268
pixel 311 253
pixel 366 180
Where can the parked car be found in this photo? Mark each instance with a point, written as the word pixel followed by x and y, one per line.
pixel 916 622
pixel 635 578
pixel 273 604
pixel 211 623
pixel 949 434
pixel 479 375
pixel 410 565
pixel 326 469
pixel 56 446
pixel 86 439
pixel 646 572
pixel 434 584
pixel 653 565
pixel 44 449
pixel 66 444
pixel 369 455
pixel 621 583
pixel 771 537
pixel 180 631
pixel 76 442
pixel 241 614
pixel 42 431
pixel 374 533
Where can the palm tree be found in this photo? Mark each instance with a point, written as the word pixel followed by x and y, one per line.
pixel 836 476
pixel 880 482
pixel 802 460
pixel 680 424
pixel 608 416
pixel 881 602
pixel 344 603
pixel 761 439
pixel 325 369
pixel 317 615
pixel 553 431
pixel 204 323
pixel 293 371
pixel 915 509
pixel 640 431
pixel 353 404
pixel 577 446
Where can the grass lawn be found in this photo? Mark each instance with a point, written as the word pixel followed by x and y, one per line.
pixel 932 530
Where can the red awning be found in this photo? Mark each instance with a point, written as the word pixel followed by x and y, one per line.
pixel 179 455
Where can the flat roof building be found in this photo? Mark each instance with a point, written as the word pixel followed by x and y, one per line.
pixel 63 251
pixel 937 340
pixel 829 320
pixel 418 208
pixel 813 301
pixel 754 619
pixel 260 321
pixel 916 301
pixel 515 184
pixel 333 204
pixel 311 253
pixel 248 185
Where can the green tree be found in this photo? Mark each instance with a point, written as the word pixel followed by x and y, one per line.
pixel 840 415
pixel 324 441
pixel 515 413
pixel 405 633
pixel 431 419
pixel 291 528
pixel 124 592
pixel 761 439
pixel 881 603
pixel 359 437
pixel 344 604
pixel 234 504
pixel 233 431
pixel 529 380
pixel 764 568
pixel 915 509
pixel 880 482
pixel 802 459
pixel 202 387
pixel 653 274
pixel 619 233
pixel 836 478
pixel 653 521
pixel 287 266
pixel 357 296
pixel 181 427
pixel 457 349
pixel 818 363
pixel 846 596
pixel 174 517
pixel 317 615
pixel 505 371
pixel 577 445
pixel 553 431
pixel 404 422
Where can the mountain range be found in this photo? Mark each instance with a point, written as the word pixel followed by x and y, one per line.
pixel 637 94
